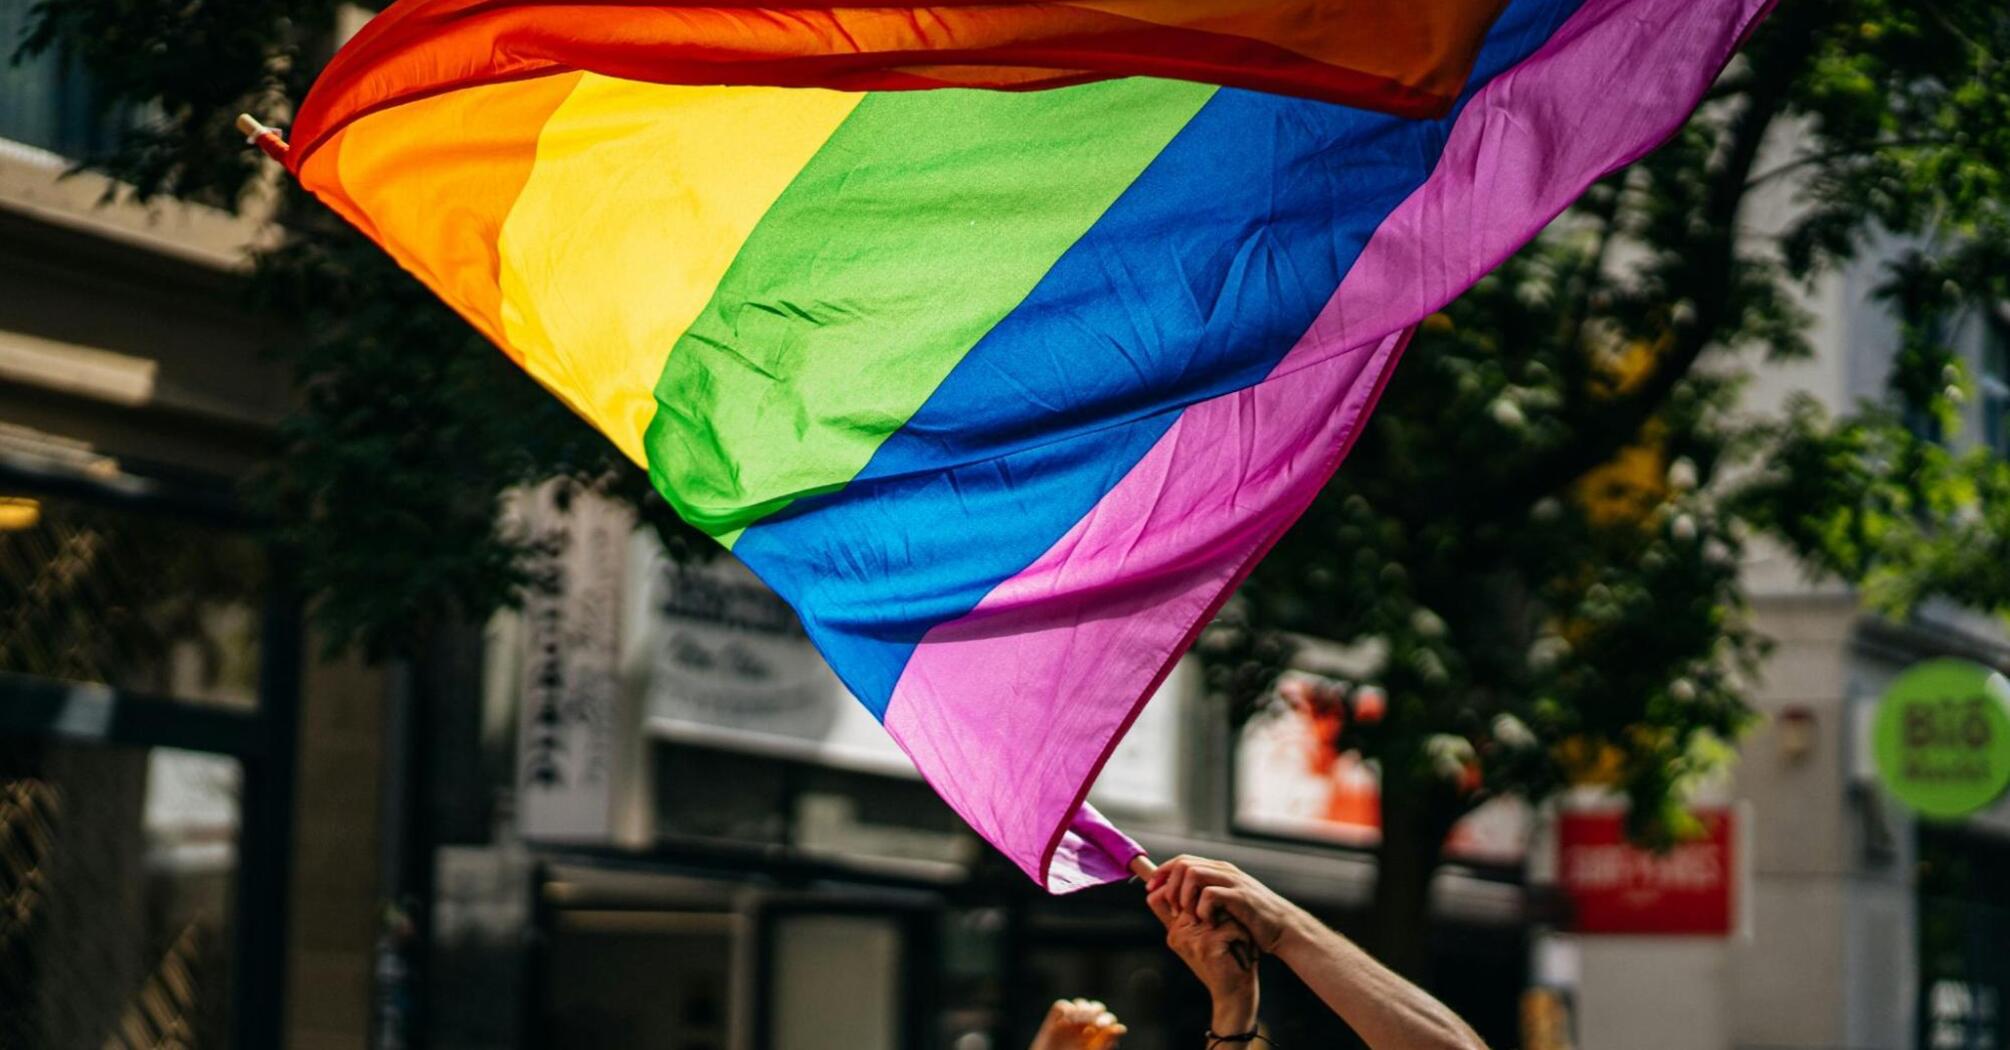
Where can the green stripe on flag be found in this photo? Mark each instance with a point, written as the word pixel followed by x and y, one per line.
pixel 927 217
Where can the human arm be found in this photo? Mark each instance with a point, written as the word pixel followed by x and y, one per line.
pixel 1386 1011
pixel 1223 955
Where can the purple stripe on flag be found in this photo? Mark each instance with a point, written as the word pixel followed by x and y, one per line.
pixel 1124 592
pixel 1117 601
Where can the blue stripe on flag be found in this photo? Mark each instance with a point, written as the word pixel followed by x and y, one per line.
pixel 1193 284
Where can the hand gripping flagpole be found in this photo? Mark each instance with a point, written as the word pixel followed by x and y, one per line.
pixel 265 138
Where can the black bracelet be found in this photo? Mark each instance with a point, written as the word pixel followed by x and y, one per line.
pixel 1244 1038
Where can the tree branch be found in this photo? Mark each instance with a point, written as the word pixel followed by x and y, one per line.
pixel 1711 258
pixel 1864 149
pixel 1954 30
pixel 1592 277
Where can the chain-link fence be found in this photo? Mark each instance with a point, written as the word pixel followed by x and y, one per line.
pixel 141 602
pixel 116 870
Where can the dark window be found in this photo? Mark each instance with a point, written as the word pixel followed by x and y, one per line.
pixel 1996 387
pixel 1964 921
pixel 136 601
pixel 47 100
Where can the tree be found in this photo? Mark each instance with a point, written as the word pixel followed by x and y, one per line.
pixel 409 429
pixel 1540 530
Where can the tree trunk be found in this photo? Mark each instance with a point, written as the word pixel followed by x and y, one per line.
pixel 1413 834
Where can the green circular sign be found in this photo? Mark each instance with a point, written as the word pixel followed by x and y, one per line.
pixel 1942 739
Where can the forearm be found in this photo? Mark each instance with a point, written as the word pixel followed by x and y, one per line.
pixel 1386 1011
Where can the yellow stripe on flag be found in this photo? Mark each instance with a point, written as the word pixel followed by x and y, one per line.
pixel 434 180
pixel 641 196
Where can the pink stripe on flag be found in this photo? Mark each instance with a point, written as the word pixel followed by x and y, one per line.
pixel 1119 598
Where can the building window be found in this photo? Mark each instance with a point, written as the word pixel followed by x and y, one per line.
pixel 47 100
pixel 1996 386
pixel 137 601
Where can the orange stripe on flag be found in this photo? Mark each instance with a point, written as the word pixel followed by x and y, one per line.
pixel 476 149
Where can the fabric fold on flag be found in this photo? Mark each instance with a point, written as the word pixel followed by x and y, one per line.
pixel 1003 392
pixel 1409 58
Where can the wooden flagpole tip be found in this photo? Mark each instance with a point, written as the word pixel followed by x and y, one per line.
pixel 1142 866
pixel 265 138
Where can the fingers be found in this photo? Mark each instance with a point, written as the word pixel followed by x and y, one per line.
pixel 1186 862
pixel 1173 879
pixel 1090 1013
pixel 1192 880
pixel 1052 1026
pixel 1184 878
pixel 1075 1024
pixel 1183 929
pixel 1197 879
pixel 1190 935
pixel 1216 903
pixel 1160 902
pixel 1099 1026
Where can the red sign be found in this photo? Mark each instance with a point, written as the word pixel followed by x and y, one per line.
pixel 1617 887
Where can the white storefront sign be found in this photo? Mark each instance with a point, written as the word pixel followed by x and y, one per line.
pixel 571 732
pixel 722 661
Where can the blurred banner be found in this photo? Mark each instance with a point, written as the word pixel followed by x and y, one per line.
pixel 571 728
pixel 720 661
pixel 1615 886
pixel 1292 779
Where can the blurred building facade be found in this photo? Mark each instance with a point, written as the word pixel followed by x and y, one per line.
pixel 188 801
pixel 693 829
pixel 651 817
pixel 700 840
pixel 661 822
pixel 697 828
pixel 1857 925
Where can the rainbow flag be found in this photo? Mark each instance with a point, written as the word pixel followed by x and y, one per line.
pixel 1003 391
